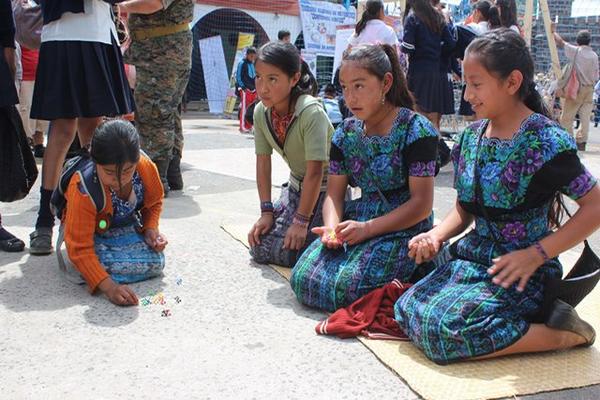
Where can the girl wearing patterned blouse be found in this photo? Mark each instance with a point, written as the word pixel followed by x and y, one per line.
pixel 509 168
pixel 390 153
pixel 291 121
pixel 120 244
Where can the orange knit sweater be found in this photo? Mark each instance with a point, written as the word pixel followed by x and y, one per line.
pixel 81 219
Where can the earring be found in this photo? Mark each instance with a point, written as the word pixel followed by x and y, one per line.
pixel 382 99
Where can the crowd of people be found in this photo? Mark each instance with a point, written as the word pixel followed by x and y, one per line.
pixel 479 297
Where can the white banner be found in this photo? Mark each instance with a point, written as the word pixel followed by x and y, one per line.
pixel 216 80
pixel 319 20
pixel 585 8
pixel 341 44
pixel 310 59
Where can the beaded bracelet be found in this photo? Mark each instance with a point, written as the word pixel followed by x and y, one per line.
pixel 541 251
pixel 301 220
pixel 266 207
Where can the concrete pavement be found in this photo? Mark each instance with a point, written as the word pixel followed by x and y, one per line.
pixel 237 332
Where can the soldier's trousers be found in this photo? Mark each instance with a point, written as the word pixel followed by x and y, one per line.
pixel 158 93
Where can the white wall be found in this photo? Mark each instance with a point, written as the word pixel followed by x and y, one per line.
pixel 270 22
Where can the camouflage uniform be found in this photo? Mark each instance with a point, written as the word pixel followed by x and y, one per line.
pixel 163 65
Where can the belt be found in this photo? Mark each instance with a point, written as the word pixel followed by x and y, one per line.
pixel 142 34
pixel 296 184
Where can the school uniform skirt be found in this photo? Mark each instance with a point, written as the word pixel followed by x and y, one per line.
pixel 465 107
pixel 447 94
pixel 80 79
pixel 426 85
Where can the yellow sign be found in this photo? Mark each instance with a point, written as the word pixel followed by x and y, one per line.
pixel 245 40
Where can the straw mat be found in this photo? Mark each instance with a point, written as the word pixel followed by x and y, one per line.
pixel 502 377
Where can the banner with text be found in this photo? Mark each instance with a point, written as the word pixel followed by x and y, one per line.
pixel 319 21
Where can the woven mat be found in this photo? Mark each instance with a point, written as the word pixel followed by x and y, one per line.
pixel 502 377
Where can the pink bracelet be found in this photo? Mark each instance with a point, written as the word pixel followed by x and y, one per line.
pixel 541 251
pixel 301 221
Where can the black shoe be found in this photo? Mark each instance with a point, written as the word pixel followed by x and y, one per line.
pixel 174 172
pixel 38 151
pixel 162 166
pixel 564 317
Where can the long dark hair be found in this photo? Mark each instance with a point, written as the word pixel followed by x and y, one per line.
pixel 115 142
pixel 427 13
pixel 500 52
pixel 372 10
pixel 489 12
pixel 379 60
pixel 286 57
pixel 508 12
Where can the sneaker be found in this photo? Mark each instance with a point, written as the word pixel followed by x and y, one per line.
pixel 40 241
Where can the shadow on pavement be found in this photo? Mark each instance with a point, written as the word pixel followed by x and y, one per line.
pixel 38 285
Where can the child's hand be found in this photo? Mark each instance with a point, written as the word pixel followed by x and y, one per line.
pixel 328 237
pixel 295 237
pixel 155 239
pixel 261 227
pixel 515 266
pixel 424 247
pixel 121 295
pixel 353 232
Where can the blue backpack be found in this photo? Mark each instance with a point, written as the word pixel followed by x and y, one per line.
pixel 90 184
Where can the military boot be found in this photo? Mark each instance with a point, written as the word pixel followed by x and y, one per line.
pixel 163 166
pixel 174 172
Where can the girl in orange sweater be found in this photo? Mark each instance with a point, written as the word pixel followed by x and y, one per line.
pixel 121 243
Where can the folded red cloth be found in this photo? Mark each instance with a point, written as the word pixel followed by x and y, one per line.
pixel 372 316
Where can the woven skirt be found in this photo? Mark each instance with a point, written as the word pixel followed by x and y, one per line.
pixel 126 256
pixel 270 250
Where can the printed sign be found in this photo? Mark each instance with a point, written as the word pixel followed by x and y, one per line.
pixel 319 21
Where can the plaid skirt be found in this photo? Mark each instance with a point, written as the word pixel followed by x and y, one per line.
pixel 125 256
pixel 457 312
pixel 270 250
pixel 330 279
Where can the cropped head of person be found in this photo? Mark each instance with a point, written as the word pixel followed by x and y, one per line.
pixel 281 76
pixel 115 150
pixel 499 72
pixel 371 78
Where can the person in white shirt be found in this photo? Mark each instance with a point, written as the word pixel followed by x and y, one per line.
pixel 371 29
pixel 597 103
pixel 508 14
pixel 485 17
pixel 586 66
pixel 80 79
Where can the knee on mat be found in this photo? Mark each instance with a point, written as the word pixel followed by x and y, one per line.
pixel 259 255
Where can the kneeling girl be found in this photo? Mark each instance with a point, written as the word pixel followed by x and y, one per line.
pixel 390 153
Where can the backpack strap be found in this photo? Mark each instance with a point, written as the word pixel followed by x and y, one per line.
pixel 90 184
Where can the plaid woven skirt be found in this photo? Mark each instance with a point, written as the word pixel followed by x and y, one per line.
pixel 270 250
pixel 126 256
pixel 330 279
pixel 457 312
